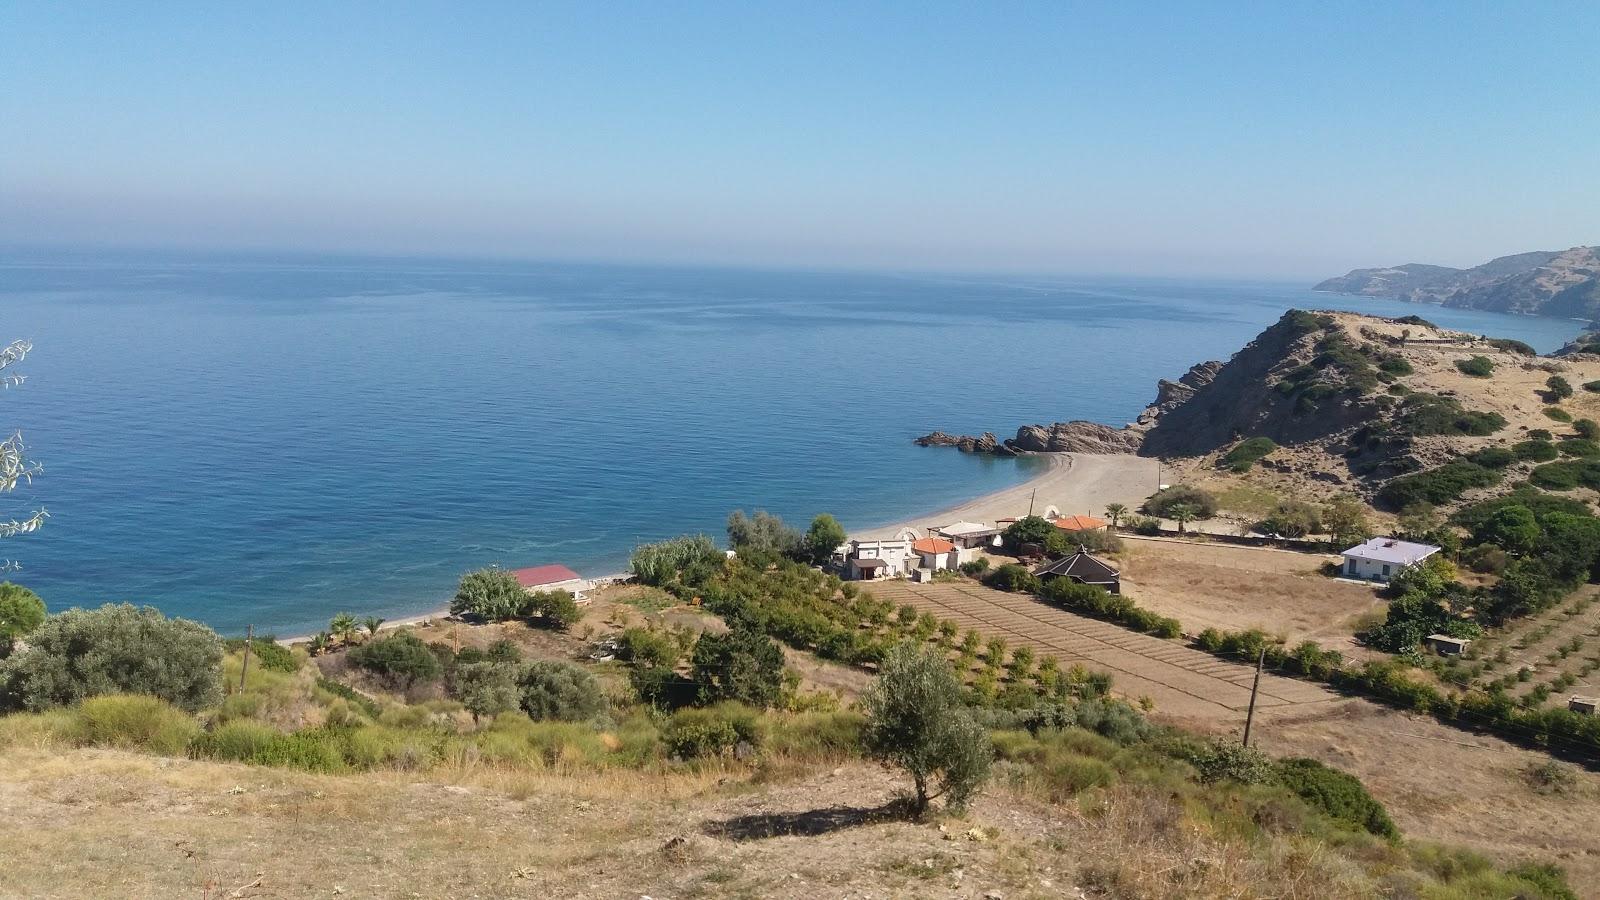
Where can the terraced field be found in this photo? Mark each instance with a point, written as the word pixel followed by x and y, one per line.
pixel 1183 682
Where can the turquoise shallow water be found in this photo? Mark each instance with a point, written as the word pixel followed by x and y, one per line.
pixel 270 441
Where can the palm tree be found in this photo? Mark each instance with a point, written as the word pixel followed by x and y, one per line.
pixel 1182 513
pixel 372 624
pixel 343 626
pixel 321 643
pixel 1115 512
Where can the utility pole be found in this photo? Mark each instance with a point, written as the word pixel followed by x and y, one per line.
pixel 250 635
pixel 1255 687
pixel 1032 495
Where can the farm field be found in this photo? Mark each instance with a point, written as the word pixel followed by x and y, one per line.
pixel 1541 660
pixel 1233 588
pixel 1182 682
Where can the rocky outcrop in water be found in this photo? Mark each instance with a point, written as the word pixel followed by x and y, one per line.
pixel 1060 437
pixel 966 443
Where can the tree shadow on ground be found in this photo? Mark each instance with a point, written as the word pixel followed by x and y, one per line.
pixel 811 823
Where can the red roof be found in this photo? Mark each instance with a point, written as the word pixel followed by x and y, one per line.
pixel 932 545
pixel 542 575
pixel 1080 523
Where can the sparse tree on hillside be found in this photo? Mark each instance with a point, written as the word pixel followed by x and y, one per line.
pixel 916 721
pixel 21 611
pixel 823 537
pixel 343 626
pixel 1183 514
pixel 486 689
pixel 16 468
pixel 372 624
pixel 1346 520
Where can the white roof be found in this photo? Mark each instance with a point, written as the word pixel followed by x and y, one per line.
pixel 1392 550
pixel 961 528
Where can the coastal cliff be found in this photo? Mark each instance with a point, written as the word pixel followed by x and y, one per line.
pixel 1543 282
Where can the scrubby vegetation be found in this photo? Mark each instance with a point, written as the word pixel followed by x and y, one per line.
pixel 1247 453
pixel 1477 366
pixel 1437 486
pixel 1200 503
pixel 1513 346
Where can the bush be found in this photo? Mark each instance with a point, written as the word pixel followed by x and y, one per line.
pixel 762 533
pixel 1227 761
pixel 1486 558
pixel 1477 366
pixel 1513 346
pixel 1343 797
pixel 492 595
pixel 823 538
pixel 267 653
pixel 690 559
pixel 486 689
pixel 916 721
pixel 1162 501
pixel 116 649
pixel 558 609
pixel 1558 414
pixel 401 659
pixel 1247 452
pixel 1557 389
pixel 1014 578
pixel 252 742
pixel 1292 519
pixel 1492 457
pixel 132 722
pixel 975 567
pixel 1592 387
pixel 1566 475
pixel 700 733
pixel 1579 447
pixel 1437 486
pixel 1537 451
pixel 742 665
pixel 21 611
pixel 554 689
pixel 1430 414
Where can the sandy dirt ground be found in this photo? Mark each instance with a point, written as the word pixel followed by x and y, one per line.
pixel 1233 588
pixel 1080 483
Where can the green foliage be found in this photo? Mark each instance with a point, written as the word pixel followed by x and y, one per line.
pixel 690 559
pixel 1014 578
pixel 1492 457
pixel 1513 529
pixel 1557 389
pixel 1096 601
pixel 1247 452
pixel 21 611
pixel 823 537
pixel 1396 365
pixel 558 609
pixel 742 665
pixel 267 653
pixel 1592 387
pixel 253 742
pixel 975 567
pixel 1341 796
pixel 1567 474
pixel 345 691
pixel 916 721
pixel 703 733
pixel 1292 519
pixel 492 595
pixel 762 533
pixel 1536 451
pixel 116 649
pixel 555 689
pixel 401 659
pixel 486 689
pixel 132 722
pixel 1036 531
pixel 1579 447
pixel 1425 414
pixel 1512 346
pixel 1162 503
pixel 1438 485
pixel 1477 366
pixel 1557 414
pixel 1345 519
pixel 1227 761
pixel 1587 429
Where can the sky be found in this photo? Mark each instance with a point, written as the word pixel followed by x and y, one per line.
pixel 1292 140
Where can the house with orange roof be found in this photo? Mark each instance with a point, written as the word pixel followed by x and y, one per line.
pixel 936 553
pixel 1071 524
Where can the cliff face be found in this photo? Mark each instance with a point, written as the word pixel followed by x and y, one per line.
pixel 1544 282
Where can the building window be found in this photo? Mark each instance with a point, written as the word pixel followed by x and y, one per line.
pixel 1386 570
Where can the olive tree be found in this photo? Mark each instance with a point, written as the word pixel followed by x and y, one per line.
pixel 486 689
pixel 554 689
pixel 21 611
pixel 823 537
pixel 743 665
pixel 116 649
pixel 916 721
pixel 16 468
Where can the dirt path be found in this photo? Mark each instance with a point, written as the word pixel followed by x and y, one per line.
pixel 1184 683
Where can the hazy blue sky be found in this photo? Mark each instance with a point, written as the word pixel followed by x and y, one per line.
pixel 1270 139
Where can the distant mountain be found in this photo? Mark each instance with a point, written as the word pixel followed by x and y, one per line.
pixel 1545 282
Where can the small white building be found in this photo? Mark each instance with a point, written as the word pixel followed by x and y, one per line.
pixel 969 535
pixel 872 560
pixel 936 554
pixel 1445 645
pixel 1380 559
pixel 544 579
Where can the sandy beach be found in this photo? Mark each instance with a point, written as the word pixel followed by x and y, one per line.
pixel 1081 483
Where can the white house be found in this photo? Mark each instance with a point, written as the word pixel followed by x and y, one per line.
pixel 544 579
pixel 872 560
pixel 969 535
pixel 936 554
pixel 1380 559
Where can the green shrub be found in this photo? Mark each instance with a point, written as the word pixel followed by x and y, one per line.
pixel 1557 389
pixel 916 720
pixel 1396 365
pixel 1014 578
pixel 1492 457
pixel 1592 387
pixel 1580 447
pixel 690 559
pixel 400 658
pixel 1537 451
pixel 132 722
pixel 267 653
pixel 1557 413
pixel 21 611
pixel 1425 414
pixel 340 689
pixel 1162 502
pixel 1438 485
pixel 558 609
pixel 492 595
pixel 1227 761
pixel 1513 346
pixel 1566 475
pixel 1341 796
pixel 1477 366
pixel 252 742
pixel 975 567
pixel 116 649
pixel 742 665
pixel 486 689
pixel 1588 429
pixel 1247 452
pixel 555 689
pixel 701 733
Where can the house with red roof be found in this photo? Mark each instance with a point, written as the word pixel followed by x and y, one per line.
pixel 1072 524
pixel 936 553
pixel 545 579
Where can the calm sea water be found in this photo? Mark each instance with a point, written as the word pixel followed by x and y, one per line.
pixel 270 441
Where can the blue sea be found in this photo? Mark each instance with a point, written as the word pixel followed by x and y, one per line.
pixel 269 441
